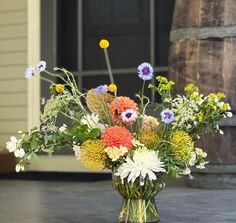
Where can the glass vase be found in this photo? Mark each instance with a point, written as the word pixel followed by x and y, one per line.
pixel 138 204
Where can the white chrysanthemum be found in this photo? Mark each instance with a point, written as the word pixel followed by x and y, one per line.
pixel 12 144
pixel 19 153
pixel 144 163
pixel 92 121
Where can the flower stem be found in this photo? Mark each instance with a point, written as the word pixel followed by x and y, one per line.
pixel 108 66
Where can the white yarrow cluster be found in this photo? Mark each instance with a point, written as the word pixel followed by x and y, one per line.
pixel 185 111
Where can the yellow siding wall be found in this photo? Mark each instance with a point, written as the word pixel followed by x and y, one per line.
pixel 13 60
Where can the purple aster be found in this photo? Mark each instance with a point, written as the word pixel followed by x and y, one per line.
pixel 167 116
pixel 41 66
pixel 29 71
pixel 129 116
pixel 101 89
pixel 145 71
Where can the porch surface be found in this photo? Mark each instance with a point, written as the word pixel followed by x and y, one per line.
pixel 97 202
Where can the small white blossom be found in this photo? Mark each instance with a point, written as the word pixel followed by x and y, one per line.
pixel 63 128
pixel 229 114
pixel 19 168
pixel 92 121
pixel 77 151
pixel 221 132
pixel 29 72
pixel 202 165
pixel 41 66
pixel 19 153
pixel 187 171
pixel 200 152
pixel 193 158
pixel 12 144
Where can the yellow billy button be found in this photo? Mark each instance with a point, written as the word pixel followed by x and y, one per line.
pixel 104 43
pixel 59 88
pixel 112 88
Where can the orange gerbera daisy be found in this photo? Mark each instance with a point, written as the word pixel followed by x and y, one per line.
pixel 120 105
pixel 117 136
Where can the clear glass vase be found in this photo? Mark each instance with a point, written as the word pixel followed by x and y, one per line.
pixel 138 204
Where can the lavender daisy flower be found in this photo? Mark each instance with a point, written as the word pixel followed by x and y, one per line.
pixel 167 116
pixel 41 66
pixel 145 71
pixel 101 89
pixel 129 116
pixel 29 71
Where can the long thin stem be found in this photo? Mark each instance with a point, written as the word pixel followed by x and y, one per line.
pixel 108 66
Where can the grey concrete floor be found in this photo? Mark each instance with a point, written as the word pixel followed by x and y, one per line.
pixel 97 202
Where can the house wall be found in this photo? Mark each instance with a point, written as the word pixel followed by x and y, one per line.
pixel 13 60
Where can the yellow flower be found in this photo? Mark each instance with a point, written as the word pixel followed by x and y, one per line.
pixel 225 107
pixel 190 88
pixel 149 138
pixel 92 154
pixel 59 88
pixel 112 88
pixel 182 145
pixel 220 95
pixel 114 153
pixel 104 43
pixel 200 116
pixel 161 79
pixel 149 123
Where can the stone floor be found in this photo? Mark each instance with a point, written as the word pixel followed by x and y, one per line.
pixel 97 202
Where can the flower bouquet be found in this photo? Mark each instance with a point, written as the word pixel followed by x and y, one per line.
pixel 106 130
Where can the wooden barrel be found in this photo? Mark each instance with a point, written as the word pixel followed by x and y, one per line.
pixel 203 52
pixel 203 46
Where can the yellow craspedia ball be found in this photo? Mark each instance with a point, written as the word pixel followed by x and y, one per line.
pixel 59 88
pixel 104 43
pixel 182 145
pixel 92 154
pixel 112 88
pixel 149 138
